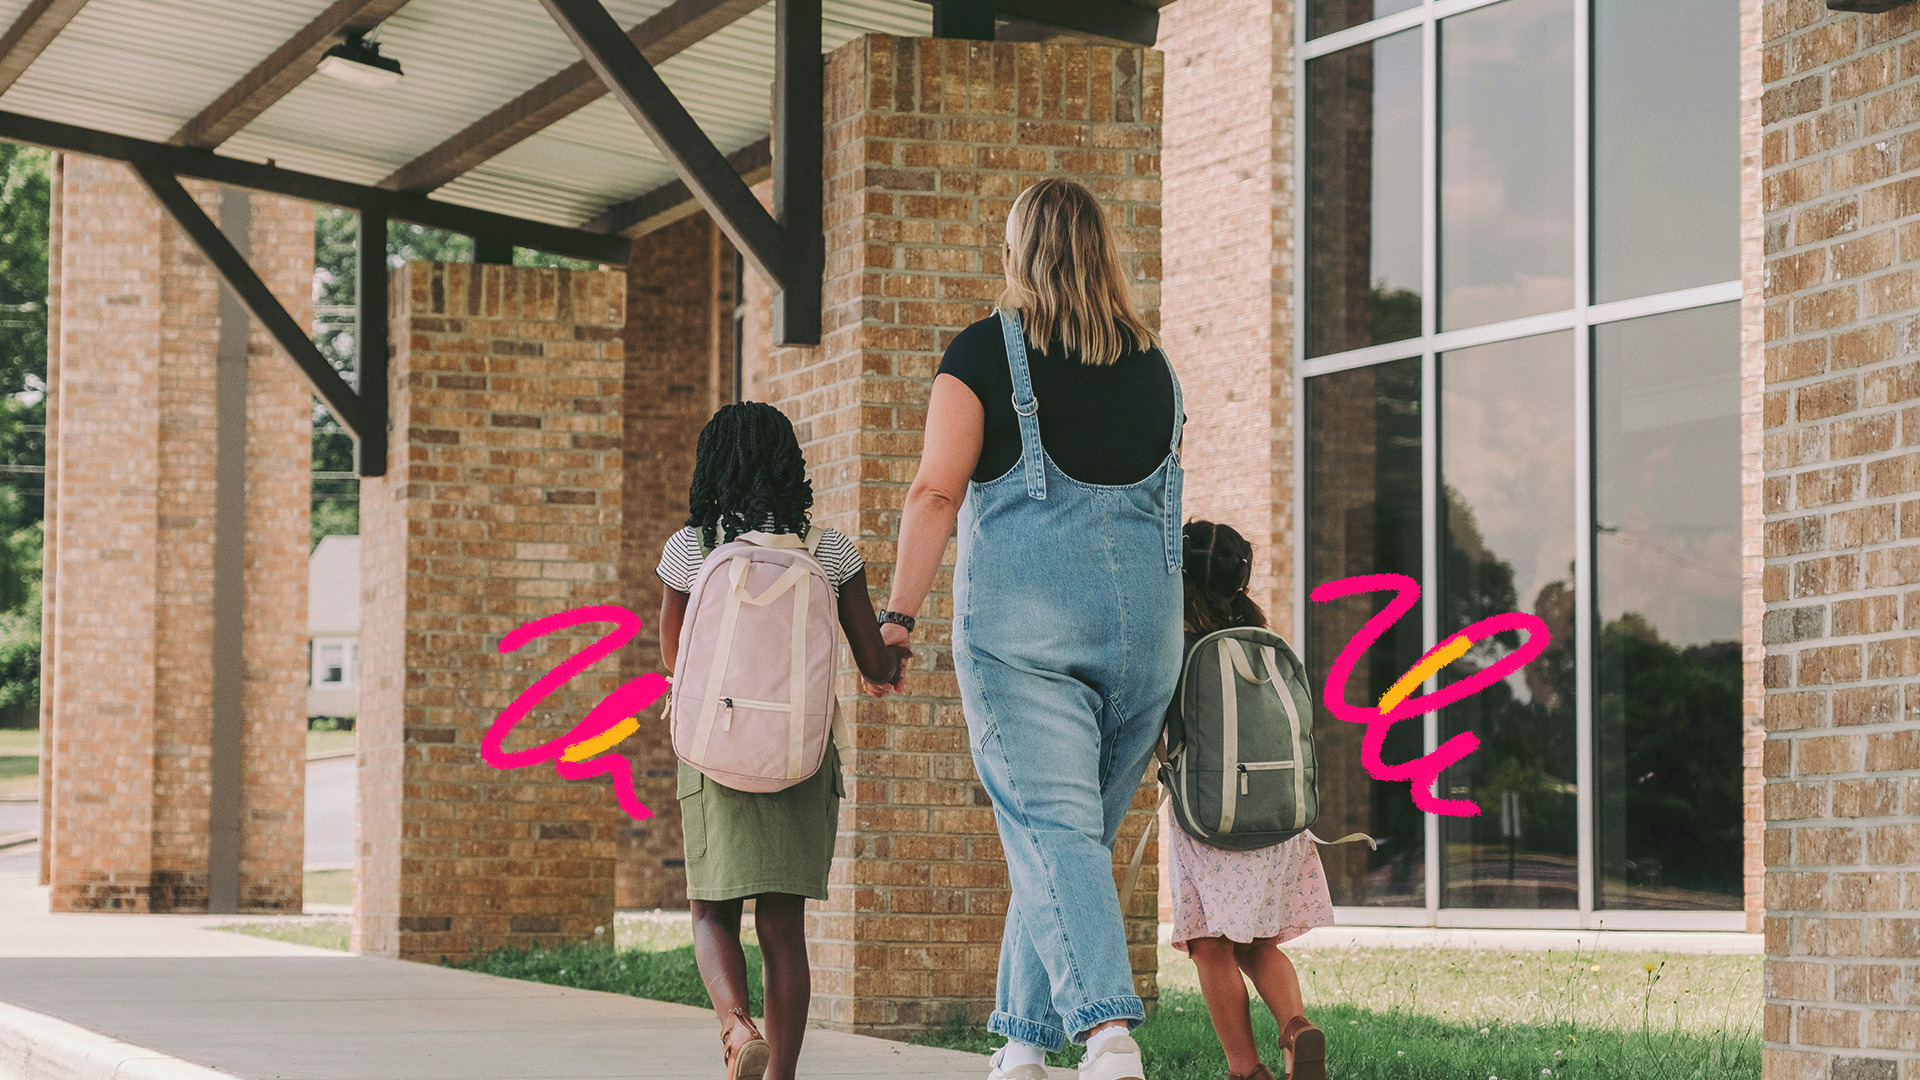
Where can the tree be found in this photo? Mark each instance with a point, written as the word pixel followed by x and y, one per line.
pixel 25 214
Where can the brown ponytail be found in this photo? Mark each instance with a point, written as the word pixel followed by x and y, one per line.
pixel 1219 564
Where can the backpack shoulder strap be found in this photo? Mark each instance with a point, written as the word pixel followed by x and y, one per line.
pixel 815 534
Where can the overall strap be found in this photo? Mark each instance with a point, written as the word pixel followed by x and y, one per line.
pixel 1171 513
pixel 1025 406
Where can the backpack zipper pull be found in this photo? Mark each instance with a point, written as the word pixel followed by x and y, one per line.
pixel 728 726
pixel 1243 777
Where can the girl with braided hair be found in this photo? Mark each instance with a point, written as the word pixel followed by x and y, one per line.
pixel 776 847
pixel 1232 909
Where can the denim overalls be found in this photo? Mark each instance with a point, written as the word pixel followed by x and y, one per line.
pixel 1066 641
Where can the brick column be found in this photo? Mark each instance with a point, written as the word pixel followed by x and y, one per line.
pixel 928 141
pixel 679 367
pixel 131 453
pixel 1229 265
pixel 1839 150
pixel 501 505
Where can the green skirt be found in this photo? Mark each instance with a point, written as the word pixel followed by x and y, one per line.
pixel 743 843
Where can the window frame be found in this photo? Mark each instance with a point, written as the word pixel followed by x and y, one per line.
pixel 1581 318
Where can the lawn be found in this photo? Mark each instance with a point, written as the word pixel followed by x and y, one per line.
pixel 326 742
pixel 328 887
pixel 1390 1014
pixel 323 932
pixel 17 741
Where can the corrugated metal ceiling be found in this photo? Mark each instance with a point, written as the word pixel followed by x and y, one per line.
pixel 145 67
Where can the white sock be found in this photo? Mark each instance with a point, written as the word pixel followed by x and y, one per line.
pixel 1017 1053
pixel 1099 1038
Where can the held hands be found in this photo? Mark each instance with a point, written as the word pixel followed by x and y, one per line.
pixel 896 639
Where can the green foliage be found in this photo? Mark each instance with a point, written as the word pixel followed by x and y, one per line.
pixel 24 216
pixel 1178 1043
pixel 671 975
pixel 1392 314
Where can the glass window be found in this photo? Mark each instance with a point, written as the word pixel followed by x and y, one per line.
pixel 331 662
pixel 1667 595
pixel 1506 162
pixel 1363 195
pixel 1326 16
pixel 1507 544
pixel 1666 146
pixel 1363 515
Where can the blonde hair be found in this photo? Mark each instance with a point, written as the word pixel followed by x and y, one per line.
pixel 1064 275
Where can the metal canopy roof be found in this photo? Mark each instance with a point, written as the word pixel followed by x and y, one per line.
pixel 145 68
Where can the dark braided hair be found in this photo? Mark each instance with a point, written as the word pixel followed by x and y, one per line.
pixel 748 468
pixel 1219 563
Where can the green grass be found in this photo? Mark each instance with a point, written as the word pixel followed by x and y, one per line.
pixel 321 742
pixel 321 933
pixel 671 975
pixel 11 767
pixel 17 741
pixel 328 887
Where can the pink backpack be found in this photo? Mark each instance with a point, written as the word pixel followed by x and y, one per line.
pixel 753 700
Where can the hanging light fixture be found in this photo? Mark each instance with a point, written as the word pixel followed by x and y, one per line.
pixel 1870 7
pixel 358 61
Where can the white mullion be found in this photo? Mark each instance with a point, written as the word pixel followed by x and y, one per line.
pixel 1354 35
pixel 1583 456
pixel 1430 405
pixel 1298 297
pixel 1721 292
pixel 1443 9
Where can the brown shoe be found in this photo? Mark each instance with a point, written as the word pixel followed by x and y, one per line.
pixel 743 1048
pixel 1259 1073
pixel 1307 1049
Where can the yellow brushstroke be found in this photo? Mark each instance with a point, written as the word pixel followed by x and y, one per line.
pixel 1455 648
pixel 606 740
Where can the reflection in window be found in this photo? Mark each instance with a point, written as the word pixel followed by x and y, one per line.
pixel 1363 517
pixel 1666 146
pixel 1326 16
pixel 1507 544
pixel 1667 588
pixel 1363 195
pixel 1506 162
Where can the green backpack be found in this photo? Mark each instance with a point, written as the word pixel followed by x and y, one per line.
pixel 1240 768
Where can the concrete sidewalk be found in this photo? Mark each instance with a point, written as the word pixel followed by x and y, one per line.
pixel 167 997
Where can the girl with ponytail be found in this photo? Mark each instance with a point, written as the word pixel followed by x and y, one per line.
pixel 1232 909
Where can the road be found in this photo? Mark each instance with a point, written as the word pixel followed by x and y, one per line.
pixel 330 813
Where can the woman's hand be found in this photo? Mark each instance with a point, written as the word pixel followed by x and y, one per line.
pixel 903 655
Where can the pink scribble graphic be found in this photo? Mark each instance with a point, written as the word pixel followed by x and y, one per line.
pixel 605 725
pixel 1396 705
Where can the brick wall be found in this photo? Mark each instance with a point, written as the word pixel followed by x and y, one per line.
pixel 501 504
pixel 1841 201
pixel 679 367
pixel 1227 248
pixel 927 144
pixel 132 443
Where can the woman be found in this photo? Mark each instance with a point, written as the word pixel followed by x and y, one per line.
pixel 1052 439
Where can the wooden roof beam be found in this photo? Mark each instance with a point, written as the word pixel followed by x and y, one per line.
pixel 667 33
pixel 287 67
pixel 30 35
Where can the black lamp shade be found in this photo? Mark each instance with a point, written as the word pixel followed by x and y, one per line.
pixel 1871 7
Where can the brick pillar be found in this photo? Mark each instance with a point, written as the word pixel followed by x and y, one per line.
pixel 1837 188
pixel 501 505
pixel 928 141
pixel 679 367
pixel 131 450
pixel 1229 252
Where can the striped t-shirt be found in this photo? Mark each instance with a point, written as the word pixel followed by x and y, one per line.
pixel 680 562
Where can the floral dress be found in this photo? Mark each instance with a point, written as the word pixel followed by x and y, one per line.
pixel 1275 892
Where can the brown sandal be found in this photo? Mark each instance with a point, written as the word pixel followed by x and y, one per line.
pixel 1259 1073
pixel 747 1058
pixel 1308 1045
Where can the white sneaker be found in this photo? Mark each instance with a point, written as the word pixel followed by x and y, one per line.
pixel 1118 1059
pixel 1018 1072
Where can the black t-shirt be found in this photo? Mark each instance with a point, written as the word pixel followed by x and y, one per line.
pixel 1108 424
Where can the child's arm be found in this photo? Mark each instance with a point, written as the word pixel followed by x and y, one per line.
pixel 880 664
pixel 673 611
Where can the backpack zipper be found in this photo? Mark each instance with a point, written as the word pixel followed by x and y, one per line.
pixel 1260 766
pixel 748 703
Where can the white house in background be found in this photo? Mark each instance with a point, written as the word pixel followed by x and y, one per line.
pixel 333 626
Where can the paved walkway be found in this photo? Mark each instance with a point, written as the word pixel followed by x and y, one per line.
pixel 166 997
